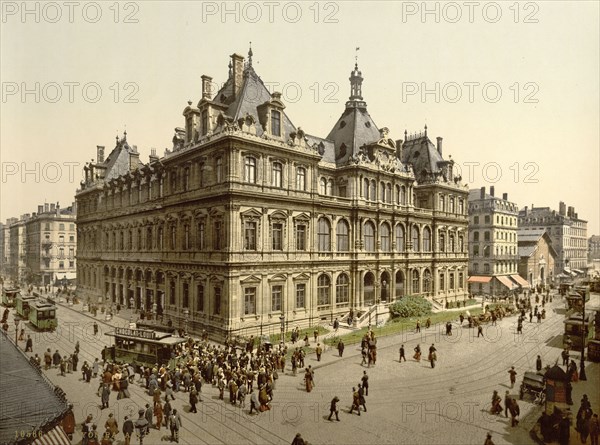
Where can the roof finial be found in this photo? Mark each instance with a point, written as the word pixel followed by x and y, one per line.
pixel 425 129
pixel 356 57
pixel 230 68
pixel 125 133
pixel 250 55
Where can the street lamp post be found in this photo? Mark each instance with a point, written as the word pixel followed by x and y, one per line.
pixel 17 320
pixel 582 375
pixel 282 320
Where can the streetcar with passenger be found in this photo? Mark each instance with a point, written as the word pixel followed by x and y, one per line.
pixel 144 347
pixel 42 315
pixel 9 295
pixel 23 305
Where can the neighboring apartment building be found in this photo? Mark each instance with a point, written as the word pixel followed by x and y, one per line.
pixel 18 267
pixel 7 270
pixel 537 257
pixel 51 244
pixel 594 247
pixel 249 222
pixel 493 259
pixel 568 234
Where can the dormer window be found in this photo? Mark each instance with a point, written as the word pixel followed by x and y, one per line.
pixel 275 123
pixel 204 122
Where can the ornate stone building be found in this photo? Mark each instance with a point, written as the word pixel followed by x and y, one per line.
pixel 249 221
pixel 537 257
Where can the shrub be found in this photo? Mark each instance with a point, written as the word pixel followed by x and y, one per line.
pixel 410 306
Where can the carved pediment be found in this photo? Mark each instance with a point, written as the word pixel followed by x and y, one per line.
pixel 251 213
pixel 302 217
pixel 252 279
pixel 278 277
pixel 302 277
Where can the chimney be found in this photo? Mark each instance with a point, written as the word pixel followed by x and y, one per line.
pixel 505 196
pixel 100 154
pixel 238 71
pixel 57 209
pixel 40 210
pixel 492 190
pixel 206 87
pixel 52 207
pixel 153 156
pixel 439 145
pixel 46 208
pixel 399 143
pixel 562 208
pixel 482 193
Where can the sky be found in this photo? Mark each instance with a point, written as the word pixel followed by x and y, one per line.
pixel 512 87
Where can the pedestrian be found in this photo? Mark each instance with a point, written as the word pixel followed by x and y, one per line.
pixel 340 348
pixel 418 326
pixel 158 413
pixel 417 355
pixel 355 401
pixel 363 353
pixel 333 409
pixel 96 329
pixel 47 359
pixel 361 397
pixel 127 430
pixel 175 425
pixel 507 400
pixel 514 412
pixel 105 396
pixel 564 430
pixel 428 323
pixel 167 410
pixel 479 330
pixel 538 363
pixel 95 368
pixel 316 334
pixel 319 351
pixel 63 366
pixel 402 356
pixel 488 440
pixel 254 404
pixel 365 382
pixel 513 376
pixel 75 359
pixel 112 426
pixel 298 440
pixel 29 344
pixel 594 429
pixel 56 359
pixel 306 342
pixel 461 318
pixel 565 357
pixel 148 414
pixel 336 324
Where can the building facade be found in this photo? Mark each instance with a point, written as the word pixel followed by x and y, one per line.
pixel 18 267
pixel 536 257
pixel 7 267
pixel 594 247
pixel 493 261
pixel 248 223
pixel 568 234
pixel 51 243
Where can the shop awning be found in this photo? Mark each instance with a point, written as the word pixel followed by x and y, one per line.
pixel 504 279
pixel 478 279
pixel 56 436
pixel 67 275
pixel 578 271
pixel 520 280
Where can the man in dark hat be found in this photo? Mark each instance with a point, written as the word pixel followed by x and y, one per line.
pixel 333 409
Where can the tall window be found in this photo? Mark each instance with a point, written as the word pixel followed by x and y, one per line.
pixel 323 235
pixel 186 237
pixel 301 178
pixel 382 191
pixel 172 292
pixel 442 203
pixel 204 122
pixel 486 236
pixel 300 295
pixel 476 237
pixel 277 174
pixel 186 179
pixel 388 193
pixel 217 308
pixel 149 240
pixel 329 188
pixel 373 192
pixel 369 236
pixel 173 237
pixel 415 281
pixel 342 236
pixel 200 236
pixel 217 234
pixel 277 236
pixel 452 246
pixel 323 186
pixel 461 244
pixel 219 169
pixel 403 195
pixel 161 239
pixel 140 243
pixel 139 197
pixel 275 123
pixel 426 239
pixel 249 300
pixel 451 281
pixel 451 210
pixel 250 235
pixel 415 239
pixel 442 281
pixel 384 232
pixel 323 290
pixel 161 187
pixel 442 243
pixel 461 207
pixel 250 169
pixel 276 293
pixel 366 188
pixel 201 179
pixel 301 237
pixel 200 298
pixel 460 280
pixel 342 285
pixel 173 183
pixel 186 295
pixel 400 242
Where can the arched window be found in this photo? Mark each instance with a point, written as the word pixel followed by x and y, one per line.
pixel 250 169
pixel 384 233
pixel 427 281
pixel 366 188
pixel 399 284
pixel 301 178
pixel 369 236
pixel 452 244
pixel 373 190
pixel 323 186
pixel 388 193
pixel 323 290
pixel 461 244
pixel 400 238
pixel 442 246
pixel 329 191
pixel 403 195
pixel 415 282
pixel 342 286
pixel 277 173
pixel 460 280
pixel 382 191
pixel 415 239
pixel 324 235
pixel 426 239
pixel 442 280
pixel 342 230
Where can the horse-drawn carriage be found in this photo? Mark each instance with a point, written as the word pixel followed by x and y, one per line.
pixel 535 384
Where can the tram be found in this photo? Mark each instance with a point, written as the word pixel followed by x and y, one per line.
pixel 9 295
pixel 574 326
pixel 144 347
pixel 42 315
pixel 23 304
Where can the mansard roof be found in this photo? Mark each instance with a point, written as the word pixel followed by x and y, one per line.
pixel 119 161
pixel 424 157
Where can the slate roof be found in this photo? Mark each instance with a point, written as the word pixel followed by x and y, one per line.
pixel 528 240
pixel 423 155
pixel 253 93
pixel 29 400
